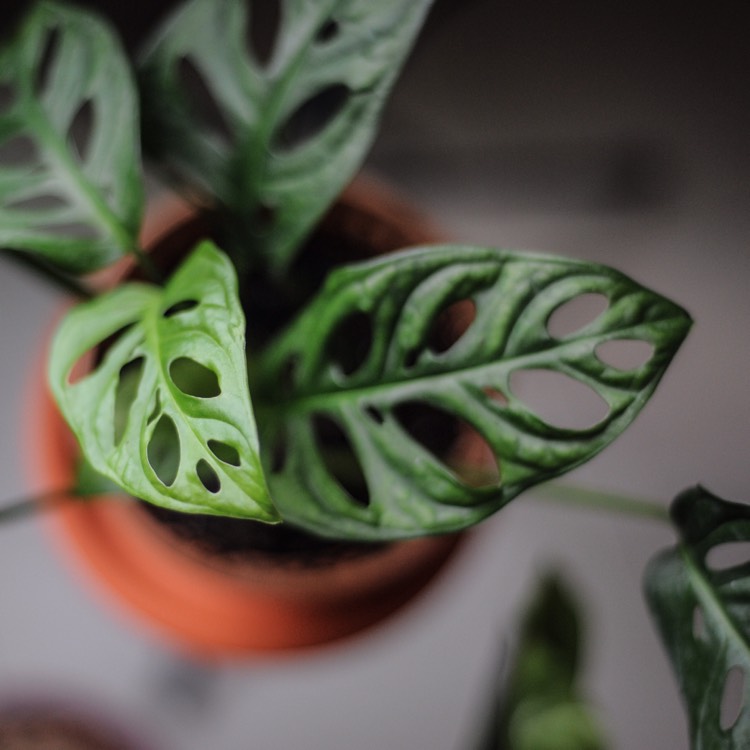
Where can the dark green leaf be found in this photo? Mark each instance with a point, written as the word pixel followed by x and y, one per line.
pixel 540 707
pixel 70 187
pixel 153 431
pixel 274 142
pixel 355 398
pixel 702 608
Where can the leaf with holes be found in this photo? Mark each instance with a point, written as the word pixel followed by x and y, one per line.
pixel 701 604
pixel 70 187
pixel 389 411
pixel 164 409
pixel 273 141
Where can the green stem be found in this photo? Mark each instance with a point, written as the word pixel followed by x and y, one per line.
pixel 147 265
pixel 637 507
pixel 19 509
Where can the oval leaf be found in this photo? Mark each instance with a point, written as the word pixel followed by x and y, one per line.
pixel 703 615
pixel 274 142
pixel 138 427
pixel 410 489
pixel 70 186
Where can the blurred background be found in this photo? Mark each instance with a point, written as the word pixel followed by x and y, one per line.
pixel 613 132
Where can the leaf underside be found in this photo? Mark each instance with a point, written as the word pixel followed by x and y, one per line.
pixel 165 411
pixel 70 187
pixel 274 141
pixel 703 615
pixel 323 403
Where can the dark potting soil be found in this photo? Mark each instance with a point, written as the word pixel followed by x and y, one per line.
pixel 238 539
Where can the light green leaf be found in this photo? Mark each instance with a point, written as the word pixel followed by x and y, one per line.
pixel 165 412
pixel 274 142
pixel 70 186
pixel 328 391
pixel 701 604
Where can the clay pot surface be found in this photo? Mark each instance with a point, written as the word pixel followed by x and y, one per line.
pixel 220 606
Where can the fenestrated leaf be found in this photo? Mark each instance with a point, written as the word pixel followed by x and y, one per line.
pixel 78 205
pixel 274 142
pixel 182 442
pixel 308 375
pixel 703 614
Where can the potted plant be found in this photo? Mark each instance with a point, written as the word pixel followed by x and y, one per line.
pixel 244 368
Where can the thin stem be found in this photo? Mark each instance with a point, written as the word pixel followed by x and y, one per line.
pixel 25 507
pixel 637 507
pixel 48 272
pixel 147 265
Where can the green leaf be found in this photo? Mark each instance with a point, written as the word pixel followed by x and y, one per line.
pixel 702 609
pixel 540 707
pixel 165 412
pixel 361 392
pixel 77 203
pixel 274 142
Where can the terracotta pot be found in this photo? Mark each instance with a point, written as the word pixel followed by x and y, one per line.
pixel 217 607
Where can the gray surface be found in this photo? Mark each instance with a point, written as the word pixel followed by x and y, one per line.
pixel 620 138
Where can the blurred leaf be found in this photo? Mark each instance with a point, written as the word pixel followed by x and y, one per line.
pixel 341 385
pixel 275 142
pixel 540 707
pixel 70 186
pixel 702 609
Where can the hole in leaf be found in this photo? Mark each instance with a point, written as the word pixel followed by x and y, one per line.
pixel 728 555
pixel 311 117
pixel 451 440
pixel 46 62
pixel 287 376
pixel 42 202
pixel 559 400
pixel 732 697
pixel 18 151
pixel 127 389
pixel 157 408
pixel 699 624
pixel 194 379
pixel 180 307
pixel 279 451
pixel 208 476
pixel 163 450
pixel 263 29
pixel 375 414
pixel 340 459
pixel 450 324
pixel 496 396
pixel 226 453
pixel 81 129
pixel 410 358
pixel 73 229
pixel 328 31
pixel 576 314
pixel 625 354
pixel 350 342
pixel 203 106
pixel 90 360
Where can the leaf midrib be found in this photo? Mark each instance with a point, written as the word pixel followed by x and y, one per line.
pixel 320 401
pixel 707 596
pixel 62 162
